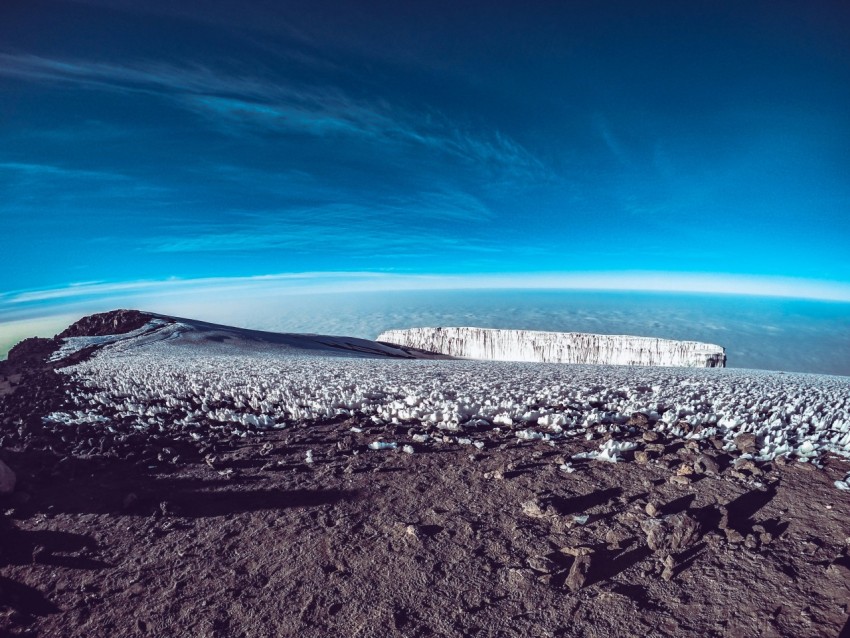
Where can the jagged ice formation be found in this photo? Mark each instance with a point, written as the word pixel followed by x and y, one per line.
pixel 172 376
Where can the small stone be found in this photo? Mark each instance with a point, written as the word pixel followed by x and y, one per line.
pixel 746 442
pixel 680 480
pixel 674 533
pixel 580 550
pixel 578 572
pixel 650 436
pixel 684 470
pixel 669 564
pixel 706 465
pixel 747 465
pixel 412 530
pixel 652 509
pixel 641 456
pixel 541 564
pixel 766 538
pixel 614 537
pixel 733 536
pixel 533 509
pixel 495 475
pixel 717 442
pixel 750 542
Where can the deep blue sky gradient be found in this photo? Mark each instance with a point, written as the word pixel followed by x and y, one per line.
pixel 148 140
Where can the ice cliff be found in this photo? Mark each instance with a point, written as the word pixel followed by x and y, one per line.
pixel 558 347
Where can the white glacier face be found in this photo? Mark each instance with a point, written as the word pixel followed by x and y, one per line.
pixel 558 347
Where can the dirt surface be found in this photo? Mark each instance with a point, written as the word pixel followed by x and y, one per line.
pixel 129 534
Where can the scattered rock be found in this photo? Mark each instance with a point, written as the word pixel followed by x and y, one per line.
pixel 542 564
pixel 746 442
pixel 578 571
pixel 533 509
pixel 733 536
pixel 651 436
pixel 680 480
pixel 614 537
pixel 412 530
pixel 747 465
pixel 641 456
pixel 684 470
pixel 706 465
pixel 669 565
pixel 674 533
pixel 724 519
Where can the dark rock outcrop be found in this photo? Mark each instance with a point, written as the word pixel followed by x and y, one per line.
pixel 113 322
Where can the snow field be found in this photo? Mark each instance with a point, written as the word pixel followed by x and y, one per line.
pixel 169 384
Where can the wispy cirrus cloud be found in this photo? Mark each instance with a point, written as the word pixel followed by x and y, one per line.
pixel 28 187
pixel 401 226
pixel 50 170
pixel 234 102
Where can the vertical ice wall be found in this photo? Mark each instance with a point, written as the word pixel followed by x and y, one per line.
pixel 558 347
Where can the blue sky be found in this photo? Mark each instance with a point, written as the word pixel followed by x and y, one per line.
pixel 153 145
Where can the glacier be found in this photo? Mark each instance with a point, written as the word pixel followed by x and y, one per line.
pixel 558 347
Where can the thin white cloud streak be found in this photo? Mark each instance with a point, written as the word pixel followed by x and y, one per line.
pixel 230 100
pixel 397 225
pixel 339 282
pixel 49 170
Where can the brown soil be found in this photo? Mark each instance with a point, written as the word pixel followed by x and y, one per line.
pixel 127 536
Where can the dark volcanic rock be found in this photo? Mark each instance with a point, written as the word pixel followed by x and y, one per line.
pixel 106 323
pixel 34 350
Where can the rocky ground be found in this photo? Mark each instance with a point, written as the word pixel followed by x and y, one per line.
pixel 307 531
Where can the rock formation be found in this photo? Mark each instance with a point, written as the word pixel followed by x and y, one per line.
pixel 558 347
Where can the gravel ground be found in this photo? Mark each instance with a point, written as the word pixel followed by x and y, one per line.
pixel 130 534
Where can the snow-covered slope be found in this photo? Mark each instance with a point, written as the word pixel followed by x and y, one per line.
pixel 558 347
pixel 212 338
pixel 192 377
